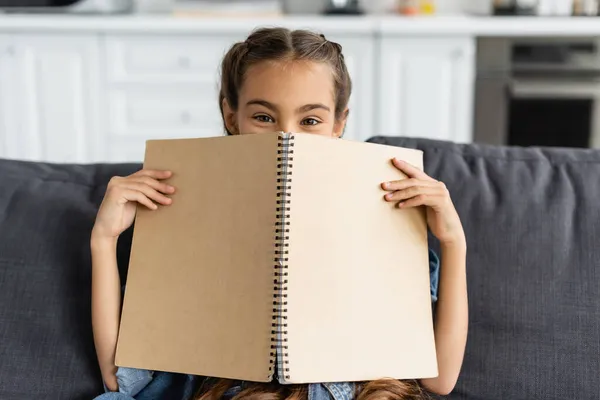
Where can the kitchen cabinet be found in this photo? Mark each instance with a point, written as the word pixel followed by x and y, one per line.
pixel 359 54
pixel 176 95
pixel 49 92
pixel 171 96
pixel 426 87
pixel 97 95
pixel 8 123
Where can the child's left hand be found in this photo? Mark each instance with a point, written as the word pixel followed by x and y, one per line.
pixel 422 190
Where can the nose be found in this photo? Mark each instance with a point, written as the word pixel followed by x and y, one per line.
pixel 286 126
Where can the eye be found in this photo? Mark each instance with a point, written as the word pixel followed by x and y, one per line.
pixel 310 121
pixel 263 118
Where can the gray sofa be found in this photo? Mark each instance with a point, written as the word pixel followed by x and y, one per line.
pixel 532 219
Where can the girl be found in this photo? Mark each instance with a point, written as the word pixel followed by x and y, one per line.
pixel 293 81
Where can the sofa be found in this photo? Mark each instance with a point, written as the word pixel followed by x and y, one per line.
pixel 532 220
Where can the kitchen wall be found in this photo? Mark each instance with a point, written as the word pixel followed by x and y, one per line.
pixel 443 6
pixel 316 6
pixel 461 6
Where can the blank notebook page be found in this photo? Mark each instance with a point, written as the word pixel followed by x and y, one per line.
pixel 200 284
pixel 359 305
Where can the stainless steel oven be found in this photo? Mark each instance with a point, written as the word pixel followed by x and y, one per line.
pixel 538 92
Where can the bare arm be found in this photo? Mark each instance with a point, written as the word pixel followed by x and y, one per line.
pixel 106 305
pixel 116 214
pixel 451 319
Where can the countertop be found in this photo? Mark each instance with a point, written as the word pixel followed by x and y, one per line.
pixel 456 25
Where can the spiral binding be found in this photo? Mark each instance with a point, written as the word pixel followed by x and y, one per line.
pixel 279 347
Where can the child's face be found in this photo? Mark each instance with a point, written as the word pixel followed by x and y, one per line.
pixel 296 96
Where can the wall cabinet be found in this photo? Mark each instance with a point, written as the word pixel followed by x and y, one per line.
pixel 98 97
pixel 426 88
pixel 8 117
pixel 49 97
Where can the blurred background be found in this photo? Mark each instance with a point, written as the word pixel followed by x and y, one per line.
pixel 91 80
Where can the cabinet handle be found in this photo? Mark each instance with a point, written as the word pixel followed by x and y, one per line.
pixel 185 117
pixel 458 53
pixel 184 62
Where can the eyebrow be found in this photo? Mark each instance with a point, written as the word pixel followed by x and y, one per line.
pixel 310 107
pixel 263 103
pixel 273 107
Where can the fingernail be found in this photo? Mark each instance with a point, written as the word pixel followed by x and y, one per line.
pixel 400 204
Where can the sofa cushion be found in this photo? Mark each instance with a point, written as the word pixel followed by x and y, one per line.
pixel 46 214
pixel 532 220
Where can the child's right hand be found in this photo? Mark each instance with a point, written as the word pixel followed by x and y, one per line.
pixel 118 207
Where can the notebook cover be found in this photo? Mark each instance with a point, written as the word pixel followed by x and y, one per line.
pixel 359 305
pixel 200 284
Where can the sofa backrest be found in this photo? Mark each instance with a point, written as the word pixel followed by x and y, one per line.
pixel 46 215
pixel 532 219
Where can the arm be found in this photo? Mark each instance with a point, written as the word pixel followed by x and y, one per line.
pixel 451 319
pixel 116 214
pixel 106 305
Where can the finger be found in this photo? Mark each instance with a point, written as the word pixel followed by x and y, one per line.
pixel 155 184
pixel 410 170
pixel 153 173
pixel 412 191
pixel 148 191
pixel 421 200
pixel 405 183
pixel 136 195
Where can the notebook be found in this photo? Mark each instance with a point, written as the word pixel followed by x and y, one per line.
pixel 279 259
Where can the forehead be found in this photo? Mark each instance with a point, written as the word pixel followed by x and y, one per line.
pixel 289 82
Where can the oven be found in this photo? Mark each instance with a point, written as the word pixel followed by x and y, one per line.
pixel 538 92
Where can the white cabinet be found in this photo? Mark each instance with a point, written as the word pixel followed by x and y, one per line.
pixel 359 54
pixel 426 87
pixel 8 116
pixel 176 95
pixel 158 87
pixel 48 97
pixel 98 96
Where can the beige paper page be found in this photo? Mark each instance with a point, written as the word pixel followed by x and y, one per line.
pixel 200 283
pixel 359 305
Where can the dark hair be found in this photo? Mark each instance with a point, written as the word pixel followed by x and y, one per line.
pixel 275 44
pixel 383 389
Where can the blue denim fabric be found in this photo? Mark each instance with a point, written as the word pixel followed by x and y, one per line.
pixel 131 380
pixel 335 390
pixel 136 384
pixel 162 385
pixel 434 275
pixel 114 396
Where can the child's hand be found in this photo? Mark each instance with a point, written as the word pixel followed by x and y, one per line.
pixel 118 207
pixel 422 190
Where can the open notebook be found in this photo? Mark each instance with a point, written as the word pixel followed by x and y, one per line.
pixel 279 257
